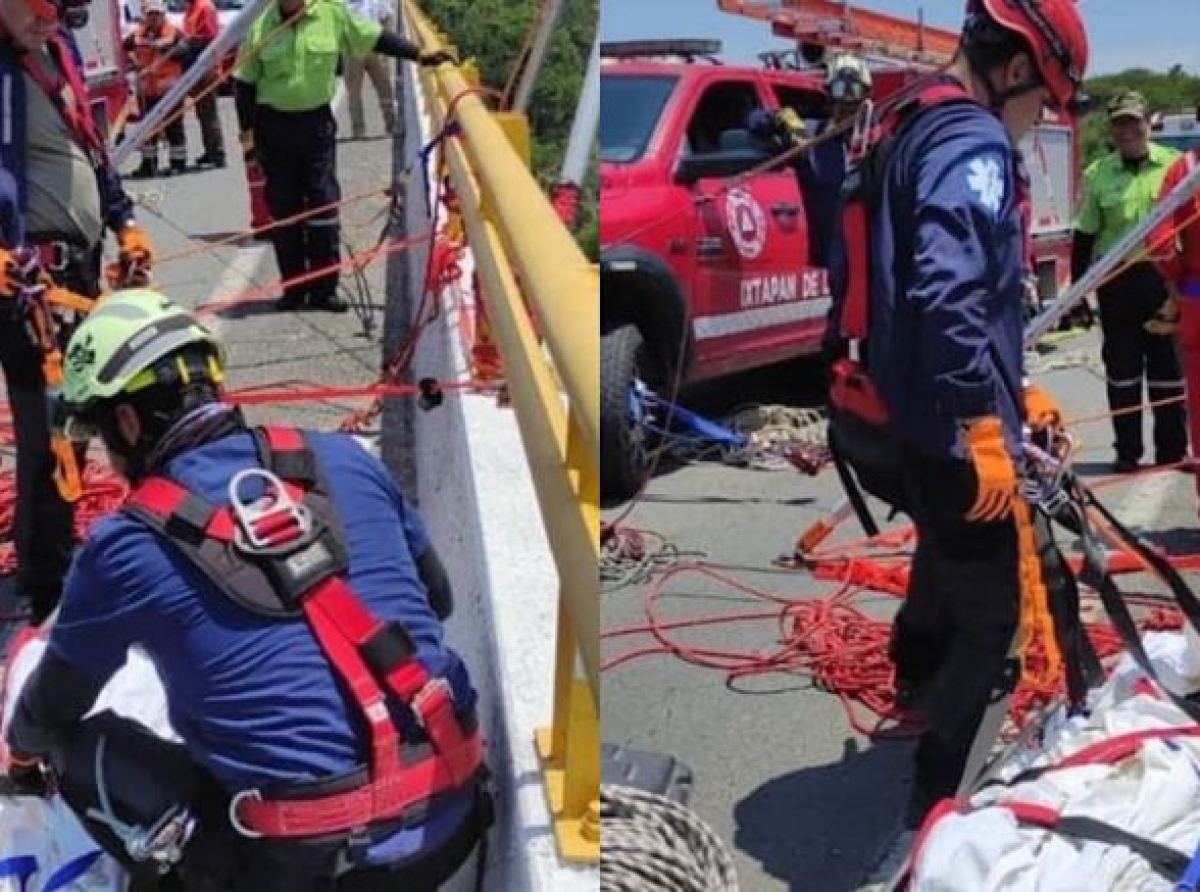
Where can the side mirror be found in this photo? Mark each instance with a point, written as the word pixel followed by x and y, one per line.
pixel 737 152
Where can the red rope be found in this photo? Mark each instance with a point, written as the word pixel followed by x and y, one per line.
pixel 830 640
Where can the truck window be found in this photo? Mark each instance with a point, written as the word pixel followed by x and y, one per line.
pixel 723 106
pixel 630 106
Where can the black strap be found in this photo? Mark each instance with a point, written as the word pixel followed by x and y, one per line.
pixel 1095 574
pixel 853 491
pixel 1166 861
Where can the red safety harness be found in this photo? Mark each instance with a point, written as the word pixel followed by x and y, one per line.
pixel 284 556
pixel 75 112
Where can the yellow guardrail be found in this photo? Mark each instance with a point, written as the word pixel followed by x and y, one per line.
pixel 516 237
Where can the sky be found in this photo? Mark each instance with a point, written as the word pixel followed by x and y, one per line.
pixel 1124 33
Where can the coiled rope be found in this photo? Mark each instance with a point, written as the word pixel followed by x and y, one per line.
pixel 653 843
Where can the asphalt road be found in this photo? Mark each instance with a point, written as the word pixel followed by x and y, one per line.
pixel 804 801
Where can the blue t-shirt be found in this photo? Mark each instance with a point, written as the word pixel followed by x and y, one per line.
pixel 253 697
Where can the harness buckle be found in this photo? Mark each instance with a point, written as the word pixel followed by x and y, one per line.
pixel 235 820
pixel 55 255
pixel 860 134
pixel 272 524
pixel 430 691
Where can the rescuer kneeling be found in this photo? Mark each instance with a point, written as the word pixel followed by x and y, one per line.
pixel 292 604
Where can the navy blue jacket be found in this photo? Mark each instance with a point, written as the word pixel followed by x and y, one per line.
pixel 947 256
pixel 114 202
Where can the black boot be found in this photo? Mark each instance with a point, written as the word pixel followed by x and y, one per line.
pixel 329 301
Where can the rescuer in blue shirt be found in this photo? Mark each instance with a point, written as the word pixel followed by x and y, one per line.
pixel 944 350
pixel 262 704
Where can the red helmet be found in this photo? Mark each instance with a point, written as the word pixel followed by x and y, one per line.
pixel 1054 31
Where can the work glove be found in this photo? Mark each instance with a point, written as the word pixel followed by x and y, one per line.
pixel 788 123
pixel 1041 411
pixel 1166 320
pixel 134 257
pixel 997 478
pixel 437 57
pixel 29 775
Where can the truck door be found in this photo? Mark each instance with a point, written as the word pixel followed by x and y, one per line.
pixel 750 241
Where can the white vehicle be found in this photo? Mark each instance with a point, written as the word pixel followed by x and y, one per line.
pixel 1179 131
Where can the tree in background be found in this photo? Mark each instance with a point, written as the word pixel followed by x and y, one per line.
pixel 492 32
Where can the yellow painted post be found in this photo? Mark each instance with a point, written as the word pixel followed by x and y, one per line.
pixel 570 747
pixel 528 262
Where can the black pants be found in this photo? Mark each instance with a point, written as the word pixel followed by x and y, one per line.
pixel 204 95
pixel 44 525
pixel 1133 356
pixel 953 635
pixel 298 151
pixel 176 138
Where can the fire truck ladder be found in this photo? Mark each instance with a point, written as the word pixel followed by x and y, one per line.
pixel 833 24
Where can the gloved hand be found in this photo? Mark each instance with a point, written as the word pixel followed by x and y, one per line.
pixel 790 124
pixel 997 478
pixel 1041 411
pixel 437 57
pixel 29 775
pixel 1166 320
pixel 132 269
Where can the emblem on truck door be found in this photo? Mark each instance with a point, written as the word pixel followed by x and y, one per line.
pixel 746 221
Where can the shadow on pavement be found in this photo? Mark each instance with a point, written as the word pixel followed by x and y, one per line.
pixel 819 829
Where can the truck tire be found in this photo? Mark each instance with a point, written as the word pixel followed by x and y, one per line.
pixel 624 455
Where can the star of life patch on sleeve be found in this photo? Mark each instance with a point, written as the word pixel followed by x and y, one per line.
pixel 985 179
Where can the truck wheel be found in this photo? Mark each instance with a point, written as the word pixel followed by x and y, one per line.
pixel 624 453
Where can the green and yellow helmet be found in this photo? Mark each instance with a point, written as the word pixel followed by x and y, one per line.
pixel 119 347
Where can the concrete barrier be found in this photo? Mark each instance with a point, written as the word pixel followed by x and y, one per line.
pixel 466 466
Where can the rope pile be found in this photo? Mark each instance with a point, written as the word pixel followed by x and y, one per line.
pixel 632 557
pixel 782 437
pixel 651 842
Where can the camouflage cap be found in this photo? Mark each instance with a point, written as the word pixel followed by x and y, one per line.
pixel 1127 104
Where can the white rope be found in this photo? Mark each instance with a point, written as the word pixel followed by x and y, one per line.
pixel 652 843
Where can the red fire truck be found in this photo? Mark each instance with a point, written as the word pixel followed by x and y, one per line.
pixel 700 279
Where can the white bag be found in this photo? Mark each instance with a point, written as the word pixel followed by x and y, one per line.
pixel 43 848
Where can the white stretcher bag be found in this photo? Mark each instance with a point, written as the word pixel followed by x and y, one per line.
pixel 1153 793
pixel 43 847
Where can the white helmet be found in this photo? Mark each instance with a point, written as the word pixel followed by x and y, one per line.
pixel 847 78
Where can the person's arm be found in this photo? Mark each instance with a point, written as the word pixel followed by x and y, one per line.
pixel 1088 222
pixel 437 583
pixel 88 644
pixel 965 204
pixel 208 25
pixel 53 702
pixel 1082 246
pixel 1165 240
pixel 361 37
